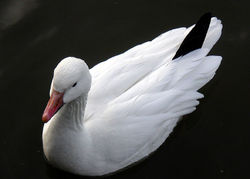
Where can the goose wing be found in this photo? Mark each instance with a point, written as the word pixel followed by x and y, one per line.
pixel 115 76
pixel 138 97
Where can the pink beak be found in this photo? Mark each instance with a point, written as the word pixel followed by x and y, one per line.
pixel 54 104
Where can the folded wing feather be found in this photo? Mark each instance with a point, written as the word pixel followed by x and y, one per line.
pixel 142 94
pixel 115 77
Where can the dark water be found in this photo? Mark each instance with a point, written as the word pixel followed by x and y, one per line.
pixel 212 142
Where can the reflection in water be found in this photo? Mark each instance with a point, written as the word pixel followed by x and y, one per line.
pixel 13 11
pixel 44 35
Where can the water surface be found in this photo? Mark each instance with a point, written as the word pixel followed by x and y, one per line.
pixel 212 142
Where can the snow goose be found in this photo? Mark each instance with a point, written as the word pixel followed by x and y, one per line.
pixel 101 120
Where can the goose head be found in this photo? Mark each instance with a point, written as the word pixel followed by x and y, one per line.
pixel 71 79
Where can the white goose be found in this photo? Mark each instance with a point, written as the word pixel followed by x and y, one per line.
pixel 124 108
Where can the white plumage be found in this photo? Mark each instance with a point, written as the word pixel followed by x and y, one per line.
pixel 134 102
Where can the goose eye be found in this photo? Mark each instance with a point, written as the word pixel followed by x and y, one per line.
pixel 74 84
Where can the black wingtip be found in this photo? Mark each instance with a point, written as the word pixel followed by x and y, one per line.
pixel 194 40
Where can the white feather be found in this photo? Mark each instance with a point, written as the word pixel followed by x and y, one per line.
pixel 134 103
